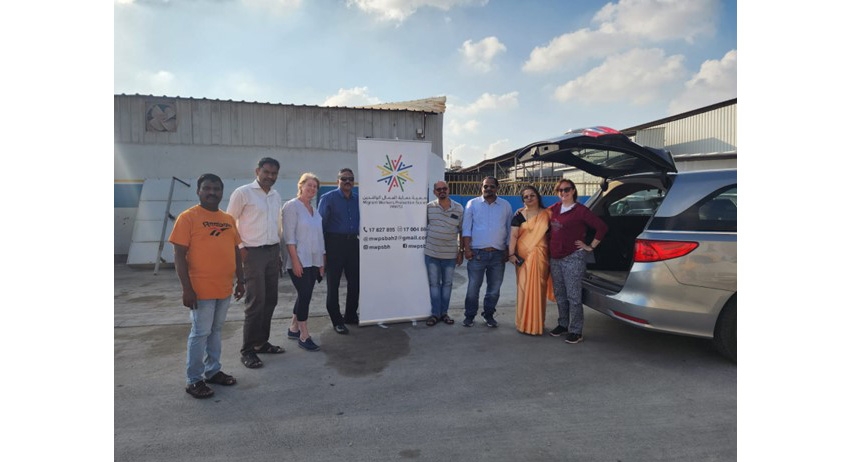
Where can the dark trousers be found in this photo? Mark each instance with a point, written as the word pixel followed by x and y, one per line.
pixel 304 288
pixel 343 257
pixel 262 271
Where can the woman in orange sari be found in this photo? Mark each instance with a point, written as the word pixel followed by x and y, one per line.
pixel 529 251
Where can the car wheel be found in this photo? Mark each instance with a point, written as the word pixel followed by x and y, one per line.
pixel 726 330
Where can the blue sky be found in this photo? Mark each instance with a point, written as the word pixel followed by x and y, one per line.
pixel 513 72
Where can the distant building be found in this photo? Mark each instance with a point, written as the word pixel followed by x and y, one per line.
pixel 704 138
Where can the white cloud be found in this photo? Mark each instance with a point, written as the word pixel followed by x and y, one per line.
pixel 242 86
pixel 458 128
pixel 716 81
pixel 657 20
pixel 480 54
pixel 465 154
pixel 399 10
pixel 627 24
pixel 485 102
pixel 497 149
pixel 159 83
pixel 350 97
pixel 638 76
pixel 570 48
pixel 277 7
pixel 470 155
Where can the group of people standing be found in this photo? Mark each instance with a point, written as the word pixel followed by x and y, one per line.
pixel 258 237
pixel 549 250
pixel 255 240
pixel 547 246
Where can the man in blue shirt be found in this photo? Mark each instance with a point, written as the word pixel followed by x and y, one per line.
pixel 341 222
pixel 486 231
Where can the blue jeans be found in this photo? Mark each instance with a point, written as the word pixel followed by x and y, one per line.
pixel 203 351
pixel 440 274
pixel 492 265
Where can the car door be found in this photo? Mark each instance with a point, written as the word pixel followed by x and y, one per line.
pixel 600 151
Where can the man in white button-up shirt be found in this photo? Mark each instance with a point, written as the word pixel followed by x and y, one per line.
pixel 256 207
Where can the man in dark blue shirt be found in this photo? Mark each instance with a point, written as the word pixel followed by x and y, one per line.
pixel 341 222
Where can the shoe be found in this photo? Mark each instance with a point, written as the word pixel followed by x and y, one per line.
pixel 269 348
pixel 293 335
pixel 220 378
pixel 468 322
pixel 353 322
pixel 574 338
pixel 251 361
pixel 308 344
pixel 447 319
pixel 556 332
pixel 491 322
pixel 199 390
pixel 341 329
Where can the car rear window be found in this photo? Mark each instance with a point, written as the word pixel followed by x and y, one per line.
pixel 717 211
pixel 639 203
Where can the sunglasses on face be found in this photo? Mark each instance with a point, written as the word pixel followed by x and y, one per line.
pixel 347 179
pixel 441 189
pixel 567 189
pixel 489 186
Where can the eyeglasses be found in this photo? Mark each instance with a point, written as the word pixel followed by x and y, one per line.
pixel 529 196
pixel 347 179
pixel 489 186
pixel 567 189
pixel 441 189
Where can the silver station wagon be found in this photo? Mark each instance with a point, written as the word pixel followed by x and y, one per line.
pixel 669 260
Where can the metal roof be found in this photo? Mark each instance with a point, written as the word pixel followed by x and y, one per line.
pixel 434 105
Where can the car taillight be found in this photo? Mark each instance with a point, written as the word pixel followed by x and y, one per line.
pixel 647 250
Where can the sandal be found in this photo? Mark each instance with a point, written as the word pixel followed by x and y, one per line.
pixel 251 361
pixel 220 378
pixel 199 390
pixel 269 348
pixel 431 321
pixel 446 319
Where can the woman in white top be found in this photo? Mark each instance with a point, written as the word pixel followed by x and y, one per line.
pixel 304 245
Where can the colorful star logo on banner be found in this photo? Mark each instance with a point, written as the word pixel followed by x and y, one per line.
pixel 394 173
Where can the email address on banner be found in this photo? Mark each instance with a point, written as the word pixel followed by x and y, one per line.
pixel 393 238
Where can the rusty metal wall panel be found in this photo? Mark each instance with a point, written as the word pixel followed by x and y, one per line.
pixel 264 126
pixel 215 122
pixel 280 126
pixel 334 122
pixel 203 122
pixel 184 126
pixel 246 112
pixel 226 111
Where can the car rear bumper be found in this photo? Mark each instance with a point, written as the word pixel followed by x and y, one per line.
pixel 653 299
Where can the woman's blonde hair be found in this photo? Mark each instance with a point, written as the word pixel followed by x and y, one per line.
pixel 305 177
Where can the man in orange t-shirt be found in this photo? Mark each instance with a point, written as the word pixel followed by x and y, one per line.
pixel 206 257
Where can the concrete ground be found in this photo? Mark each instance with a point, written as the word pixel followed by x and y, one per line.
pixel 411 392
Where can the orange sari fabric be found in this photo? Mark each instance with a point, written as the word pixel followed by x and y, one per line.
pixel 533 275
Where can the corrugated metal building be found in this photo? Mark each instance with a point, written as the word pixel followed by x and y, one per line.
pixel 705 138
pixel 172 137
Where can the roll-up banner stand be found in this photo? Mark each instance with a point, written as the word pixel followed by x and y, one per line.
pixel 395 180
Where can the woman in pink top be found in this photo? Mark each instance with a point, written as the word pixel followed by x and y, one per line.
pixel 568 225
